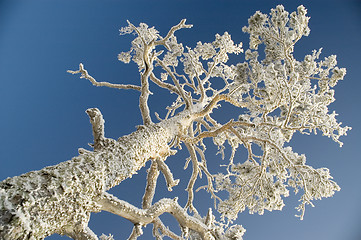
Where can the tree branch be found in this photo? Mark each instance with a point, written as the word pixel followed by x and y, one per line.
pixel 152 176
pixel 162 84
pixel 97 121
pixel 84 74
pixel 213 103
pixel 171 32
pixel 136 232
pixel 217 131
pixel 193 178
pixel 182 93
pixel 145 216
pixel 158 224
pixel 167 174
pixel 143 98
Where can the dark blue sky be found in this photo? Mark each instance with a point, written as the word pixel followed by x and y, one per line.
pixel 42 118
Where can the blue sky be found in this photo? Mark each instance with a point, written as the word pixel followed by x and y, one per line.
pixel 42 118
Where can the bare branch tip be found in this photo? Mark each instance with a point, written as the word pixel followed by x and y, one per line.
pixel 183 22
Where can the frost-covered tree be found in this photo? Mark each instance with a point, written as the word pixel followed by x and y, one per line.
pixel 275 97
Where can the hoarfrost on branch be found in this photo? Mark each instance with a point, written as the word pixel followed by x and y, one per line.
pixel 276 97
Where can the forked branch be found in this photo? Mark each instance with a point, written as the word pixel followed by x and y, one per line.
pixel 143 217
pixel 159 229
pixel 172 31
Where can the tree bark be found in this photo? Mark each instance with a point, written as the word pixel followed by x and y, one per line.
pixel 60 198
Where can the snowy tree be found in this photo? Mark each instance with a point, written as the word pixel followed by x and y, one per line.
pixel 275 97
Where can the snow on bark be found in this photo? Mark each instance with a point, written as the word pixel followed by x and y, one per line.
pixel 60 198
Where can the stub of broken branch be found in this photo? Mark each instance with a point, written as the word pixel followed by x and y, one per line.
pixel 97 121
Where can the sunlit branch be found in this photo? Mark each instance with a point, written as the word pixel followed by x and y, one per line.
pixel 145 216
pixel 189 83
pixel 162 84
pixel 192 180
pixel 203 167
pixel 250 153
pixel 136 232
pixel 167 174
pixel 182 92
pixel 143 98
pixel 171 109
pixel 217 131
pixel 152 176
pixel 84 74
pixel 213 103
pixel 211 120
pixel 201 88
pixel 172 31
pixel 148 58
pixel 158 225
pixel 143 105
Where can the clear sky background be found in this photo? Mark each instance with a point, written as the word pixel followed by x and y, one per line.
pixel 42 118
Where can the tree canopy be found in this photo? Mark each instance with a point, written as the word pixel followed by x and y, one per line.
pixel 276 94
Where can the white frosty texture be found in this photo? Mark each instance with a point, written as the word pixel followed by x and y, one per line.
pixel 60 198
pixel 275 97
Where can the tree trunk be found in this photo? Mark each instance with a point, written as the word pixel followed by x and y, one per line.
pixel 60 198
